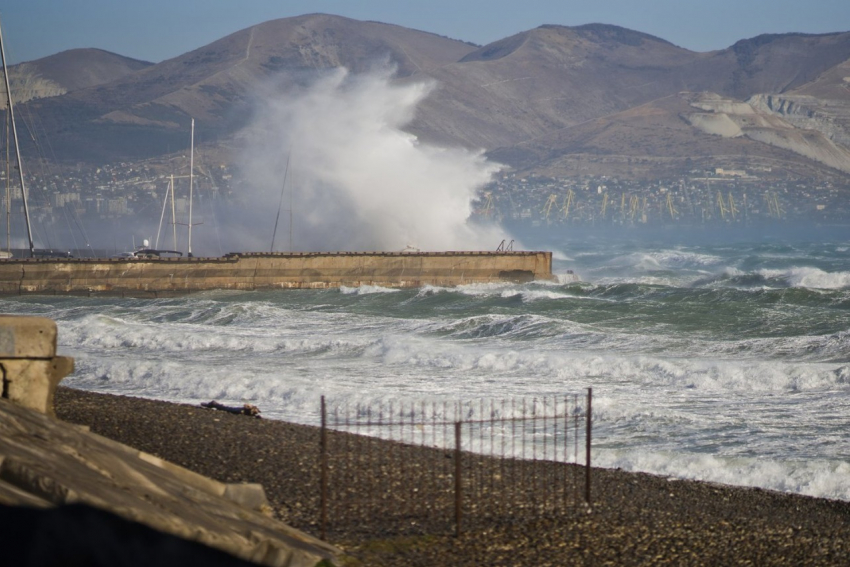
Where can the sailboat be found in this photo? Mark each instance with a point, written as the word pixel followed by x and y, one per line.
pixel 146 251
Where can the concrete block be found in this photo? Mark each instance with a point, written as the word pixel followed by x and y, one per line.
pixel 29 367
pixel 27 337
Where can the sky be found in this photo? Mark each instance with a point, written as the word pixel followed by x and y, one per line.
pixel 156 30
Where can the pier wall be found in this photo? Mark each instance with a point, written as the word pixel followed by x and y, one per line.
pixel 253 271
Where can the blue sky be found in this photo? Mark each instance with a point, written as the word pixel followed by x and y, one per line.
pixel 155 30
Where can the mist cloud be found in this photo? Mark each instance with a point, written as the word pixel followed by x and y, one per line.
pixel 357 180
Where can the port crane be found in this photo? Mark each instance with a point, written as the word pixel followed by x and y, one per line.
pixel 568 201
pixel 670 207
pixel 547 208
pixel 773 208
pixel 488 208
pixel 721 205
pixel 733 210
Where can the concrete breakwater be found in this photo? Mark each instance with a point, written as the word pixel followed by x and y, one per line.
pixel 253 271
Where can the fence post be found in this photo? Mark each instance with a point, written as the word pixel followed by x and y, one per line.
pixel 323 463
pixel 587 455
pixel 458 481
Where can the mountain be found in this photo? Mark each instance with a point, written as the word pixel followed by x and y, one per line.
pixel 68 71
pixel 554 99
pixel 676 133
pixel 546 79
pixel 146 112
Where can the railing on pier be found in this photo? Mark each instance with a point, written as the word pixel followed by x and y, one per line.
pixel 430 467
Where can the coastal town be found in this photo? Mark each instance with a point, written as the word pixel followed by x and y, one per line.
pixel 137 193
pixel 697 198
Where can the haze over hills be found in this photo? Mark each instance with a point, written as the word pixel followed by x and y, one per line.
pixel 556 100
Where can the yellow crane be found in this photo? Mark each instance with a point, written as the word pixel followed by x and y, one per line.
pixel 547 208
pixel 733 210
pixel 487 209
pixel 604 204
pixel 721 205
pixel 568 201
pixel 633 207
pixel 670 207
pixel 773 208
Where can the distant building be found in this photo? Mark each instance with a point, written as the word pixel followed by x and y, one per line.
pixel 117 206
pixel 62 199
pixel 730 172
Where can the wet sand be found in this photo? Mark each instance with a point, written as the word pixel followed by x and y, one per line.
pixel 635 519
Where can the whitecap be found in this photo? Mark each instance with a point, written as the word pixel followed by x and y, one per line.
pixel 366 290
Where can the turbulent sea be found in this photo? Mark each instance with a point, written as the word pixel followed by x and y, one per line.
pixel 724 362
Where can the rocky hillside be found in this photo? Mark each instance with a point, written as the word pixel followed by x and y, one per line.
pixel 68 71
pixel 560 99
pixel 554 99
pixel 144 113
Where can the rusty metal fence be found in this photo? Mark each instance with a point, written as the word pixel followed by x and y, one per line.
pixel 436 467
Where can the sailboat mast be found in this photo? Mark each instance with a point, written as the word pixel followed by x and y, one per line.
pixel 191 177
pixel 8 191
pixel 17 147
pixel 173 216
pixel 291 186
pixel 161 218
pixel 280 205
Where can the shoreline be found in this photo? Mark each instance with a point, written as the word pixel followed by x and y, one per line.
pixel 636 518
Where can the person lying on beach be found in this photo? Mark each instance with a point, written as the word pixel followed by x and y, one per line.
pixel 246 409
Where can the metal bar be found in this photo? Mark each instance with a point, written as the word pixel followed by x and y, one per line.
pixel 513 454
pixel 566 443
pixel 479 478
pixel 492 456
pixel 435 478
pixel 334 487
pixel 533 475
pixel 552 471
pixel 547 485
pixel 346 476
pixel 370 442
pixel 359 459
pixel 392 453
pixel 458 481
pixel 502 501
pixel 400 453
pixel 323 522
pixel 408 456
pixel 575 450
pixel 523 469
pixel 421 507
pixel 415 486
pixel 587 452
pixel 380 456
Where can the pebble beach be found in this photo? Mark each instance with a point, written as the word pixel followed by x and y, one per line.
pixel 635 518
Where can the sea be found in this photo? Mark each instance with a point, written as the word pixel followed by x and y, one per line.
pixel 721 358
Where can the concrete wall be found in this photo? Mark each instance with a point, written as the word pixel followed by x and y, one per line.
pixel 136 276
